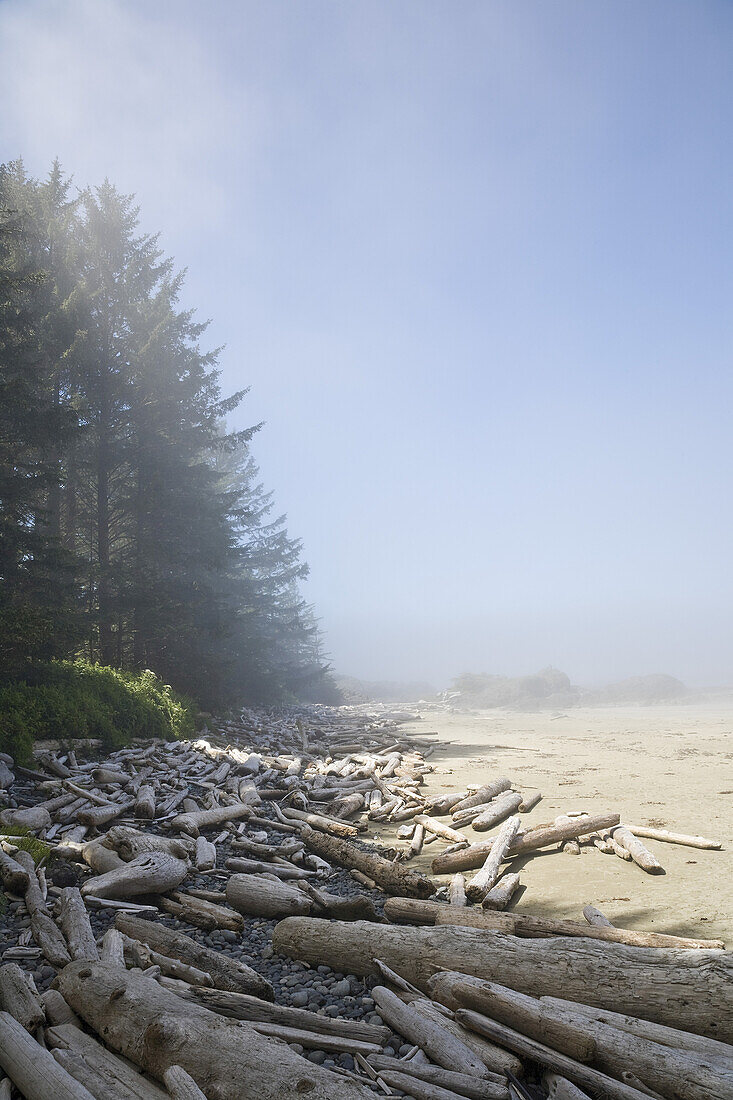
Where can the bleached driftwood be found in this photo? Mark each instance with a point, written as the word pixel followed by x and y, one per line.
pixel 45 931
pixel 31 1068
pixel 468 859
pixel 226 973
pixel 19 997
pixel 393 878
pixel 410 1072
pixel 94 1065
pixel 150 873
pixel 181 1085
pixel 438 1043
pixel 241 1006
pixel 13 876
pixel 501 894
pixel 155 1029
pixel 692 990
pixel 482 795
pixel 674 838
pixel 596 917
pixel 193 823
pixel 486 877
pixel 528 925
pixel 74 921
pixel 638 851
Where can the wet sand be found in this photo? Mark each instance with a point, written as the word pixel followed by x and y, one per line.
pixel 666 766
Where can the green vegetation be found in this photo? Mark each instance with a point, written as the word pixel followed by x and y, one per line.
pixel 60 700
pixel 26 842
pixel 134 528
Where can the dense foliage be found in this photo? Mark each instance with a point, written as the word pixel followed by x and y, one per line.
pixel 134 530
pixel 61 700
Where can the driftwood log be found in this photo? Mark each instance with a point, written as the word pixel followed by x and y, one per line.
pixel 690 990
pixel 393 878
pixel 414 911
pixel 226 973
pixel 471 858
pixel 75 924
pixel 32 1069
pixel 149 873
pixel 104 1073
pixel 156 1030
pixel 19 997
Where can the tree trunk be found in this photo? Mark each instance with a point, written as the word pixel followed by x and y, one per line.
pixel 118 1077
pixel 392 878
pixel 157 1030
pixel 433 1038
pixel 32 1069
pixel 225 973
pixel 691 990
pixel 151 873
pixel 75 924
pixel 469 859
pixel 19 997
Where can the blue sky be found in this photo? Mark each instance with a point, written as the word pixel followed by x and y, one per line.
pixel 474 260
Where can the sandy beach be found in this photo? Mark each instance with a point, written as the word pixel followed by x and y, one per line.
pixel 666 766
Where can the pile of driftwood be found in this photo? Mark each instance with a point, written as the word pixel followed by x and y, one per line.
pixel 489 1000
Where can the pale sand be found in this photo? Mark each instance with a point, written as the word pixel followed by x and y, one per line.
pixel 667 766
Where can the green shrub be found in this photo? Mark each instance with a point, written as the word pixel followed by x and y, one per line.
pixel 61 700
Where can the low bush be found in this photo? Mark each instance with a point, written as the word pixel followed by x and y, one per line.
pixel 60 700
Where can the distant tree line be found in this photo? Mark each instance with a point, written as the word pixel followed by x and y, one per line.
pixel 134 529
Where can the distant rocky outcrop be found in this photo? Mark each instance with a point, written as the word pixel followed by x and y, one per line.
pixel 552 689
pixel 356 691
pixel 547 688
pixel 657 688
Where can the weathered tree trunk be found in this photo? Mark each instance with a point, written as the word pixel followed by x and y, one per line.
pixel 240 1006
pixel 75 924
pixel 529 1048
pixel 33 818
pixel 559 1088
pixel 674 838
pixel 130 843
pixel 260 896
pixel 500 895
pixel 198 911
pixel 495 1058
pixel 393 878
pixel 118 1077
pixel 13 876
pixel 151 873
pixel 145 802
pixel 468 859
pixel 486 877
pixel 45 931
pixel 32 1069
pixel 463 1084
pixel 497 811
pixel 180 1085
pixel 638 851
pixel 706 1049
pixel 529 926
pixel 19 997
pixel 439 1044
pixel 596 917
pixel 193 823
pixel 225 973
pixel 482 795
pixel 691 990
pixel 157 1030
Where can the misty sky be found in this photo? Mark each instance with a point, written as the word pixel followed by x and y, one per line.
pixel 475 261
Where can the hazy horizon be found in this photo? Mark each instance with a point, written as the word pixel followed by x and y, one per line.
pixel 474 262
